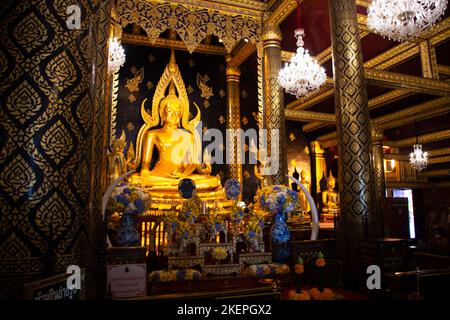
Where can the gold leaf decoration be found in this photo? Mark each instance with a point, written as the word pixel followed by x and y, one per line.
pixel 191 24
pixel 151 58
pixel 131 98
pixel 222 93
pixel 221 120
pixel 245 120
pixel 14 248
pixel 57 142
pixel 207 92
pixel 53 215
pixel 61 71
pixel 190 89
pixel 133 84
pixel 292 136
pixel 244 94
pixel 130 126
pixel 23 102
pixel 206 104
pixel 17 178
pixel 150 85
pixel 30 32
pixel 191 63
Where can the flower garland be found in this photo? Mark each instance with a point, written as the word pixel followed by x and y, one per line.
pixel 278 199
pixel 219 253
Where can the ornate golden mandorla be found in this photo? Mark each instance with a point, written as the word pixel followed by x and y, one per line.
pixel 175 142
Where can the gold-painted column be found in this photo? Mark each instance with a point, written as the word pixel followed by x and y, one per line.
pixel 380 183
pixel 233 116
pixel 52 124
pixel 274 99
pixel 354 136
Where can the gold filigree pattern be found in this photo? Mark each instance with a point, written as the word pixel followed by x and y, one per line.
pixel 57 142
pixel 53 216
pixel 192 24
pixel 30 33
pixel 14 248
pixel 23 103
pixel 17 177
pixel 61 72
pixel 353 127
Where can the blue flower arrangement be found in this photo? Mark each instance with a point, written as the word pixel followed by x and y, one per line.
pixel 278 199
pixel 232 188
pixel 128 200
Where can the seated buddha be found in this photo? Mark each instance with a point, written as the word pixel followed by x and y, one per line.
pixel 174 144
pixel 330 200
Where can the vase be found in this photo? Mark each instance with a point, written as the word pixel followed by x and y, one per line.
pixel 127 236
pixel 280 236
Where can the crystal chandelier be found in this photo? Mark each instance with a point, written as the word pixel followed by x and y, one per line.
pixel 302 74
pixel 404 19
pixel 116 57
pixel 418 158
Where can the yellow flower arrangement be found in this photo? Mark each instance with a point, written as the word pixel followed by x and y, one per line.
pixel 219 253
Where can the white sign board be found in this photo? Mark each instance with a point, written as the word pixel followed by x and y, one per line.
pixel 127 280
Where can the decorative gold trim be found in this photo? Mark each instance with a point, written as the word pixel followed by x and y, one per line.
pixel 402 81
pixel 425 138
pixel 445 70
pixel 442 159
pixel 191 23
pixel 418 112
pixel 428 60
pixel 302 115
pixel 281 12
pixel 363 3
pixel 171 44
pixel 250 8
pixel 435 173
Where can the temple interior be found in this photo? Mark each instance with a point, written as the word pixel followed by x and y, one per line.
pixel 219 149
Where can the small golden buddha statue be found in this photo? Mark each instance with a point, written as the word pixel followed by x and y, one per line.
pixel 117 164
pixel 302 196
pixel 175 144
pixel 330 200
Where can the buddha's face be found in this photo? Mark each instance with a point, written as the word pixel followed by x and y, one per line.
pixel 331 184
pixel 172 113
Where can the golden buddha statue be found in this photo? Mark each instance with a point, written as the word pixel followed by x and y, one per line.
pixel 174 143
pixel 330 200
pixel 117 164
pixel 302 196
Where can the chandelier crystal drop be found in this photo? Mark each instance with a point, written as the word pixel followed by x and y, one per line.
pixel 116 57
pixel 302 74
pixel 418 158
pixel 404 19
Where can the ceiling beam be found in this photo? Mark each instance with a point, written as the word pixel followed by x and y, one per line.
pixel 444 70
pixel 434 173
pixel 436 160
pixel 171 44
pixel 302 115
pixel 424 138
pixel 281 12
pixel 374 103
pixel 402 81
pixel 242 55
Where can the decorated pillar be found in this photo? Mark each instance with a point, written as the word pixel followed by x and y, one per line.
pixel 234 168
pixel 380 184
pixel 51 139
pixel 356 179
pixel 274 101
